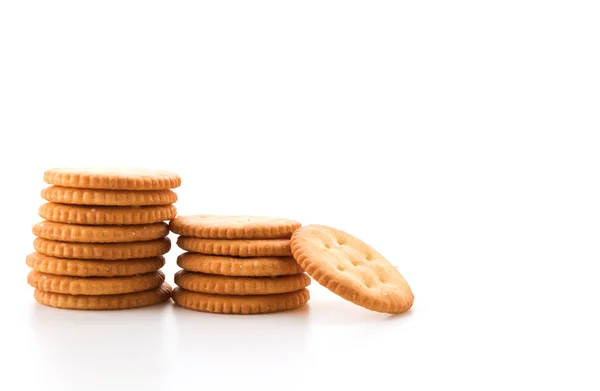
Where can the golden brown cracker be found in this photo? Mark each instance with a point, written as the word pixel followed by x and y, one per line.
pixel 350 268
pixel 105 302
pixel 106 215
pixel 233 227
pixel 230 304
pixel 98 233
pixel 237 248
pixel 112 178
pixel 228 285
pixel 94 285
pixel 106 251
pixel 74 196
pixel 93 268
pixel 235 266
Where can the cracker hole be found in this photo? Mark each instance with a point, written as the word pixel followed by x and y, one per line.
pixel 341 267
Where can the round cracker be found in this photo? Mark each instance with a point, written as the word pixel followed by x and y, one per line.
pixel 227 285
pixel 92 268
pixel 234 266
pixel 230 304
pixel 106 215
pixel 112 178
pixel 74 196
pixel 105 302
pixel 99 234
pixel 233 227
pixel 94 285
pixel 106 251
pixel 351 269
pixel 236 248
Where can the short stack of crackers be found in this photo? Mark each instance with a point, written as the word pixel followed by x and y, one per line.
pixel 238 265
pixel 103 237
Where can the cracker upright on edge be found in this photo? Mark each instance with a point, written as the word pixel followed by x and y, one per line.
pixel 351 269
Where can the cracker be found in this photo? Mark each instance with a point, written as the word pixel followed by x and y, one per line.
pixel 106 251
pixel 233 266
pixel 100 234
pixel 105 302
pixel 227 285
pixel 237 248
pixel 106 215
pixel 233 227
pixel 91 268
pixel 112 178
pixel 95 285
pixel 350 268
pixel 229 304
pixel 73 196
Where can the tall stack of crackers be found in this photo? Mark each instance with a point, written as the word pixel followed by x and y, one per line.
pixel 101 243
pixel 238 265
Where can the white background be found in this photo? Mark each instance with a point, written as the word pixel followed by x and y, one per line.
pixel 460 139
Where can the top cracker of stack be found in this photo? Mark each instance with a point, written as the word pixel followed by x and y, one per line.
pixel 101 244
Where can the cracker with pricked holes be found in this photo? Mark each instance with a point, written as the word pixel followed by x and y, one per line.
pixel 230 304
pixel 75 196
pixel 112 178
pixel 105 302
pixel 106 251
pixel 228 285
pixel 93 268
pixel 350 268
pixel 94 285
pixel 99 234
pixel 106 215
pixel 234 227
pixel 236 266
pixel 237 248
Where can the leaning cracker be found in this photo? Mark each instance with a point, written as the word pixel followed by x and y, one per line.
pixel 233 266
pixel 106 251
pixel 91 268
pixel 229 304
pixel 106 215
pixel 94 285
pixel 74 196
pixel 105 302
pixel 351 269
pixel 99 234
pixel 233 227
pixel 227 285
pixel 112 178
pixel 237 248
